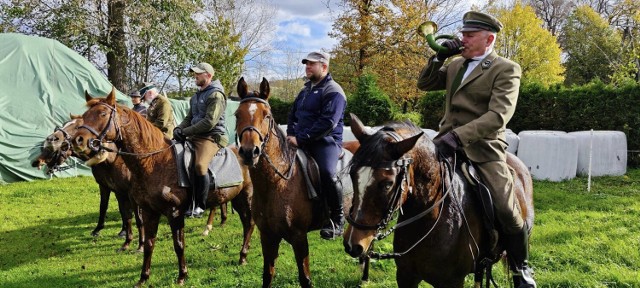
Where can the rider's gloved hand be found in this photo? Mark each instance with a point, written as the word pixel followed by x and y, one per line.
pixel 178 136
pixel 447 144
pixel 453 47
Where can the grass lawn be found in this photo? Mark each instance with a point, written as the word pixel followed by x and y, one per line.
pixel 581 239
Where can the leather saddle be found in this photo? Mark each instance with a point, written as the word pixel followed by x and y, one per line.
pixel 224 169
pixel 311 172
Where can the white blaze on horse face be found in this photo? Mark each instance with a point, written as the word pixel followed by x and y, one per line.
pixel 72 122
pixel 365 178
pixel 252 109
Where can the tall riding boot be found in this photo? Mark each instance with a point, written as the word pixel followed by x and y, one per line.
pixel 201 192
pixel 518 253
pixel 334 227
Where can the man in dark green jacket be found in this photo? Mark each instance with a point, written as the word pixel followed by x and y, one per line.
pixel 204 126
pixel 482 92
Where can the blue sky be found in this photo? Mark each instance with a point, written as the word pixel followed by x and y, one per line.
pixel 301 27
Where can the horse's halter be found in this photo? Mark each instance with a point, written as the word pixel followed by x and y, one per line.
pixel 95 144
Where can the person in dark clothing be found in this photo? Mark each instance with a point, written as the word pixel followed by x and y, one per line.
pixel 315 125
pixel 204 126
pixel 136 99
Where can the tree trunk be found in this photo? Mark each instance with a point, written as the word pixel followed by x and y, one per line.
pixel 117 57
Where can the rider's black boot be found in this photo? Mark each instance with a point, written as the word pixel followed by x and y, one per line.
pixel 334 227
pixel 518 253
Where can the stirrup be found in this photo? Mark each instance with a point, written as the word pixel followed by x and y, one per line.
pixel 330 233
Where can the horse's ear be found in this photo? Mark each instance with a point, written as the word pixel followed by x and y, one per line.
pixel 87 96
pixel 264 89
pixel 397 149
pixel 358 129
pixel 242 88
pixel 111 98
pixel 72 116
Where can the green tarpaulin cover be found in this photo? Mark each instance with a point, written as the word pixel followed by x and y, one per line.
pixel 41 83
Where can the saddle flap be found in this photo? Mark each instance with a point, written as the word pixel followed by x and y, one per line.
pixel 311 172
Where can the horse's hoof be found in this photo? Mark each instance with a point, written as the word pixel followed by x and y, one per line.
pixel 180 281
pixel 243 261
pixel 95 233
pixel 139 284
pixel 122 234
pixel 205 232
pixel 123 248
pixel 140 249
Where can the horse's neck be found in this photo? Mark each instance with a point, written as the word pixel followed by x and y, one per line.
pixel 134 141
pixel 430 184
pixel 274 150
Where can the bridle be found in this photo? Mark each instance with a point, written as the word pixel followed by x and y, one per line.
pixel 402 185
pixel 64 147
pixel 95 144
pixel 264 138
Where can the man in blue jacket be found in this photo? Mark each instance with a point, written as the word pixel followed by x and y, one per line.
pixel 315 125
pixel 204 126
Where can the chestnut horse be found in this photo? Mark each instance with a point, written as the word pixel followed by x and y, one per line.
pixel 281 206
pixel 151 160
pixel 111 175
pixel 439 236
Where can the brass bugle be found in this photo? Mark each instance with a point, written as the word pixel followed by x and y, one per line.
pixel 427 29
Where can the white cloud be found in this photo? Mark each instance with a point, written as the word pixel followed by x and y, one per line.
pixel 294 28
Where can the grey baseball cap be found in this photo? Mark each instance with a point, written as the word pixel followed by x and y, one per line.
pixel 317 56
pixel 203 67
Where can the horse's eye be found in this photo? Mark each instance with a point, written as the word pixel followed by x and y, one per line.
pixel 386 185
pixel 103 114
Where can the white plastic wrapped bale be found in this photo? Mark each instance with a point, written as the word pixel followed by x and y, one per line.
pixel 549 155
pixel 512 140
pixel 431 133
pixel 608 152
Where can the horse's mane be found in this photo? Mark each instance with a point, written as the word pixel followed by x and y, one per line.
pixel 148 132
pixel 371 151
pixel 282 141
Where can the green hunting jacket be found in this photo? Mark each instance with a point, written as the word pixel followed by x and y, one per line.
pixel 479 110
pixel 160 114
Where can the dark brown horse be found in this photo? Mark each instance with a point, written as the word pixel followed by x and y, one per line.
pixel 281 206
pixel 439 236
pixel 152 163
pixel 111 175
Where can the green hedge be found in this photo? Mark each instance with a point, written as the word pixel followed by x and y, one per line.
pixel 594 106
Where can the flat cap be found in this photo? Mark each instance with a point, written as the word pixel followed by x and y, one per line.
pixel 135 93
pixel 203 67
pixel 317 56
pixel 476 21
pixel 146 86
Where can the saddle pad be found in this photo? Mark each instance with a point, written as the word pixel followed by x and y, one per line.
pixel 223 168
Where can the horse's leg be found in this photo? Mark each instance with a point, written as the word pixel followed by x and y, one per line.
pixel 406 279
pixel 300 245
pixel 242 204
pixel 139 225
pixel 207 229
pixel 223 214
pixel 104 204
pixel 126 209
pixel 150 221
pixel 270 246
pixel 177 230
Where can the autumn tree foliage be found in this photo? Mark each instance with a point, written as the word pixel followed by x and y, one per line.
pixel 525 41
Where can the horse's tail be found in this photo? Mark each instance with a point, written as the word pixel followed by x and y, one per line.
pixel 523 185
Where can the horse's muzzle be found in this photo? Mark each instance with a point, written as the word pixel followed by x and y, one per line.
pixel 249 156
